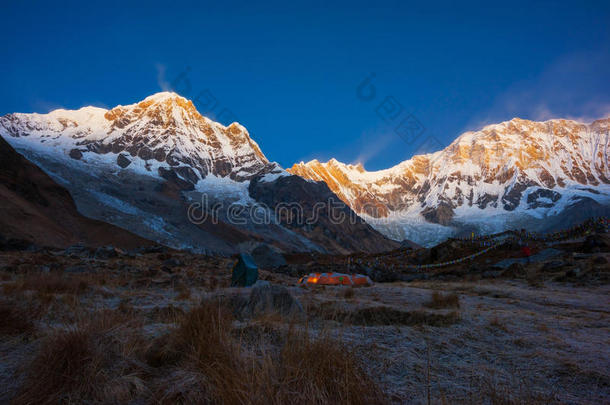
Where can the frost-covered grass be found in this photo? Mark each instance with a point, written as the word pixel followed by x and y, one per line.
pixel 130 329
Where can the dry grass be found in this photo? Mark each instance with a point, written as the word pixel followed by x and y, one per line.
pixel 324 371
pixel 217 367
pixel 155 349
pixel 495 323
pixel 184 292
pixel 92 362
pixel 439 300
pixel 14 321
pixel 384 315
pixel 490 389
pixel 348 293
pixel 50 283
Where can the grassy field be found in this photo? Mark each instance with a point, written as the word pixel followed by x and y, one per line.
pixel 165 328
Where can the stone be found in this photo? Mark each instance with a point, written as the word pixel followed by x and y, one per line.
pixel 268 298
pixel 553 265
pixel 78 269
pixel 123 160
pixel 514 270
pixel 172 262
pixel 78 251
pixel 575 272
pixel 76 154
pixel 105 252
pixel 267 258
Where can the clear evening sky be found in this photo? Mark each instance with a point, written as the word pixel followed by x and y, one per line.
pixel 290 71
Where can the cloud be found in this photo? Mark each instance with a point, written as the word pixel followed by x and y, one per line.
pixel 574 86
pixel 161 81
pixel 373 148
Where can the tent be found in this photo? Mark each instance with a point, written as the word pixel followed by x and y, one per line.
pixel 335 279
pixel 245 272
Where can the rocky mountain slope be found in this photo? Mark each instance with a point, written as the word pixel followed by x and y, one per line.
pixel 36 210
pixel 162 170
pixel 518 173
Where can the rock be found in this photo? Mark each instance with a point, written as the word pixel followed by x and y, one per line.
pixel 76 154
pixel 154 249
pixel 105 252
pixel 261 284
pixel 290 270
pixel 271 298
pixel 78 269
pixel 78 251
pixel 123 161
pixel 443 214
pixel 171 176
pixel 542 198
pixel 553 265
pixel 575 272
pixel 267 258
pixel 514 270
pixel 187 173
pixel 159 155
pixel 491 274
pixel 145 153
pixel 172 262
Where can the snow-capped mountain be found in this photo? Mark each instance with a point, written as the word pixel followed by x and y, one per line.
pixel 164 130
pixel 517 173
pixel 143 167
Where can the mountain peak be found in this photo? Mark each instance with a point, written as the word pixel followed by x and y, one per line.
pixel 517 167
pixel 163 130
pixel 164 95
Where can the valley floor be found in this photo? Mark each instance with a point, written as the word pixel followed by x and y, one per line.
pixel 164 327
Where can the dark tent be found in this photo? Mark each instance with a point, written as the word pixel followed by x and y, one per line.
pixel 245 272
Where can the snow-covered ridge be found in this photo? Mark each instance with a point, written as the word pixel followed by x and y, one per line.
pixel 163 130
pixel 517 166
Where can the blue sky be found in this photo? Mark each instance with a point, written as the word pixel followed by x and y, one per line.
pixel 290 71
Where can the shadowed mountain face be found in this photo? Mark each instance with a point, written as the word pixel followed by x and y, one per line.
pixel 145 166
pixel 517 173
pixel 35 209
pixel 312 210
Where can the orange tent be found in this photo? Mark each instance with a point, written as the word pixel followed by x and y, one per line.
pixel 335 279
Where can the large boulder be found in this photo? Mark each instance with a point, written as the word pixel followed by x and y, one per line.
pixel 268 258
pixel 266 298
